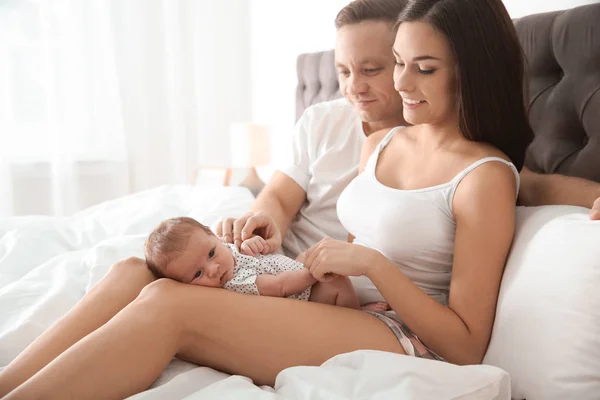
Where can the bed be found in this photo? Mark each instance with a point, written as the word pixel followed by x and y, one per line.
pixel 546 340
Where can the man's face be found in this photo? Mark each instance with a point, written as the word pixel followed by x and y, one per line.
pixel 365 65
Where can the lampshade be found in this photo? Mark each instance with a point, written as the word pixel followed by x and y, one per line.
pixel 250 145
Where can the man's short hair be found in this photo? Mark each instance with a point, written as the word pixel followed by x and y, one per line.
pixel 370 10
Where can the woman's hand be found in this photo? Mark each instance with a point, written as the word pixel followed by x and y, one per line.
pixel 334 257
pixel 252 224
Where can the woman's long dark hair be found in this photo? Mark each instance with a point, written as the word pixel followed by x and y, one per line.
pixel 490 70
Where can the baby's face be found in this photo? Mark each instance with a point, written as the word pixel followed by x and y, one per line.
pixel 205 262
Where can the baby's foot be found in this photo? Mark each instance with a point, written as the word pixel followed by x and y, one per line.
pixel 379 306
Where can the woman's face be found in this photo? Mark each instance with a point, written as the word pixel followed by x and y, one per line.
pixel 425 75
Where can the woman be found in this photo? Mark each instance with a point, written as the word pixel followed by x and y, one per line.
pixel 466 106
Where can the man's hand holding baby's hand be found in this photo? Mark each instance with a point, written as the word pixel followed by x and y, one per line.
pixel 255 245
pixel 236 231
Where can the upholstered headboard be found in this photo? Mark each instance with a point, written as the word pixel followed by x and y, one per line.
pixel 563 55
pixel 317 80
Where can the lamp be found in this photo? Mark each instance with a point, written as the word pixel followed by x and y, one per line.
pixel 250 148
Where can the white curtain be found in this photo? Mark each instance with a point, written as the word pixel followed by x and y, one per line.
pixel 103 98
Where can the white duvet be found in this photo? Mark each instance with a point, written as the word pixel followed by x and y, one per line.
pixel 47 264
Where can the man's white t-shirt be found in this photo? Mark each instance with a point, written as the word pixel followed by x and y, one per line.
pixel 327 143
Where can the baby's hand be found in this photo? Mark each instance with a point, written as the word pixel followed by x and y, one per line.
pixel 253 246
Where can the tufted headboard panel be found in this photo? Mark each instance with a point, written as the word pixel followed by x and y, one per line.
pixel 563 56
pixel 317 80
pixel 563 67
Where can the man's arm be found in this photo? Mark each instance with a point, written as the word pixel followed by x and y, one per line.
pixel 281 199
pixel 550 189
pixel 279 202
pixel 269 217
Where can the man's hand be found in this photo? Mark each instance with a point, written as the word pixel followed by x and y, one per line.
pixel 252 224
pixel 595 213
pixel 224 230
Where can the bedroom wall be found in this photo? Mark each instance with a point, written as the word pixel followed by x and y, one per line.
pixel 224 72
pixel 279 31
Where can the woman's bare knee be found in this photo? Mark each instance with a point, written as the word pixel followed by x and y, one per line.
pixel 172 296
pixel 125 279
pixel 128 266
pixel 162 288
pixel 131 269
pixel 165 301
pixel 181 305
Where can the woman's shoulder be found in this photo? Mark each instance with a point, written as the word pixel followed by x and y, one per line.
pixel 481 150
pixel 482 161
pixel 487 178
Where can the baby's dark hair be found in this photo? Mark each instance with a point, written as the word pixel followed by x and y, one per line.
pixel 168 240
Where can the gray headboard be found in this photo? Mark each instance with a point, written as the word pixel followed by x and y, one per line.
pixel 563 55
pixel 317 80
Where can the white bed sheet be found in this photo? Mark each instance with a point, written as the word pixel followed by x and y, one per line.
pixel 47 264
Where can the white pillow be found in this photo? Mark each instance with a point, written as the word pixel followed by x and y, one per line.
pixel 547 329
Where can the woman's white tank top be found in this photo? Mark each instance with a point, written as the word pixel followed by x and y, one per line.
pixel 414 229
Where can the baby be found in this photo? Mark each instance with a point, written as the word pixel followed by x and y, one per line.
pixel 187 251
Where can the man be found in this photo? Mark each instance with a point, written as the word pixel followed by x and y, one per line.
pixel 300 200
pixel 539 190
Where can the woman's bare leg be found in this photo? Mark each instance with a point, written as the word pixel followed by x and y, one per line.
pixel 255 336
pixel 119 287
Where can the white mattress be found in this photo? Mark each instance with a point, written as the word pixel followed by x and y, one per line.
pixel 47 264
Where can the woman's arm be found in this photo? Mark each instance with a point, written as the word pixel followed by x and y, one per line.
pixel 484 210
